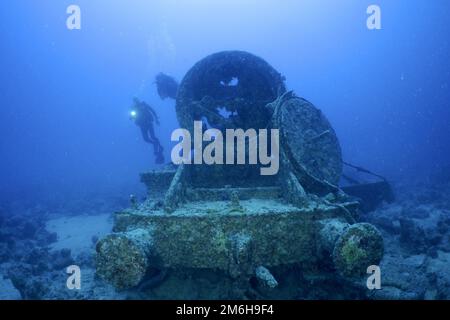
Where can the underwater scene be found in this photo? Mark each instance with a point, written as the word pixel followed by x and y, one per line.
pixel 225 150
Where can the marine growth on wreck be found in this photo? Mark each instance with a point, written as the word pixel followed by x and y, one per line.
pixel 231 221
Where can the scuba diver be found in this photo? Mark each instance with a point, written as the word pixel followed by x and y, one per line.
pixel 144 116
pixel 166 85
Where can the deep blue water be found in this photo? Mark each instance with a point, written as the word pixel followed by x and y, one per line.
pixel 65 95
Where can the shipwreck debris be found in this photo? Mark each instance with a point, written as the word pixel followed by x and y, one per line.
pixel 229 218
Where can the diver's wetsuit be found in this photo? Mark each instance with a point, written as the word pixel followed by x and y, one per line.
pixel 167 86
pixel 145 116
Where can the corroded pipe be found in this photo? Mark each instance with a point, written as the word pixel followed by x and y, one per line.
pixel 353 248
pixel 123 258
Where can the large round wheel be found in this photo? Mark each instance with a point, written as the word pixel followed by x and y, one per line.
pixel 229 90
pixel 311 141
